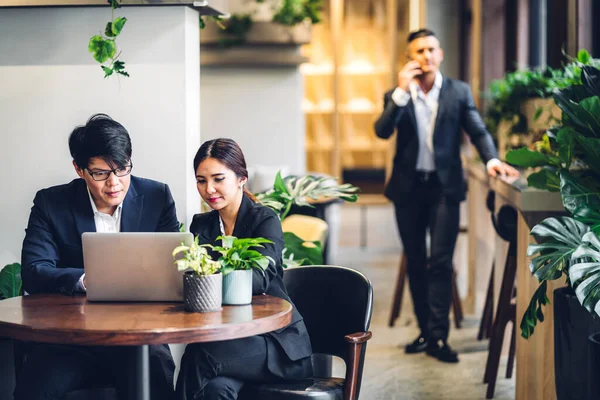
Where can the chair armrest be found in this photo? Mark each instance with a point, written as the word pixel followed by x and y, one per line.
pixel 359 337
pixel 355 341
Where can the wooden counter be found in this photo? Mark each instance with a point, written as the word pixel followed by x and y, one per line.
pixel 535 357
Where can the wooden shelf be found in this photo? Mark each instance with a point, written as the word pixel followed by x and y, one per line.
pixel 267 43
pixel 352 59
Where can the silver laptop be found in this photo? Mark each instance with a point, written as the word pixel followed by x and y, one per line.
pixel 131 266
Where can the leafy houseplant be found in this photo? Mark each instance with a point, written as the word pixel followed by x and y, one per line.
pixel 237 260
pixel 506 96
pixel 285 12
pixel 10 281
pixel 202 281
pixel 293 190
pixel 568 246
pixel 103 46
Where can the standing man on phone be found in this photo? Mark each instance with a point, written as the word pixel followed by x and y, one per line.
pixel 428 111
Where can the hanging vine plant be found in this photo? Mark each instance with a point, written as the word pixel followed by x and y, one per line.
pixel 103 46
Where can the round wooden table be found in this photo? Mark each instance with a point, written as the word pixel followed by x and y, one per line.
pixel 54 318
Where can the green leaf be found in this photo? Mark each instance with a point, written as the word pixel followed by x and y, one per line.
pixel 556 239
pixel 534 313
pixel 584 272
pixel 10 281
pixel 578 192
pixel 583 56
pixel 107 71
pixel 546 179
pixel 538 113
pixel 566 144
pixel 591 150
pixel 101 49
pixel 114 3
pixel 108 31
pixel 117 25
pixel 311 253
pixel 526 158
pixel 279 184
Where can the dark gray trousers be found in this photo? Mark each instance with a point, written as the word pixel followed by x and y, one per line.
pixel 430 277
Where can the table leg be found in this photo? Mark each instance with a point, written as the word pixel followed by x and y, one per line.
pixel 139 381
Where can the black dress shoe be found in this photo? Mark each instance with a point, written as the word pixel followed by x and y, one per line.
pixel 418 346
pixel 442 351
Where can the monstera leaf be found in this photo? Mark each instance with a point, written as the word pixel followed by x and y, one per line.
pixel 584 272
pixel 557 239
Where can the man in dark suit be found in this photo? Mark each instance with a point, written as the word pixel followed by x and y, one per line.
pixel 106 198
pixel 429 111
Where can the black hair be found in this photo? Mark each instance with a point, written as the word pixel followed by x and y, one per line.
pixel 227 152
pixel 419 34
pixel 102 137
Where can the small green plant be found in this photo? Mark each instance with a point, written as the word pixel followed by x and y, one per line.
pixel 237 254
pixel 103 46
pixel 195 258
pixel 10 281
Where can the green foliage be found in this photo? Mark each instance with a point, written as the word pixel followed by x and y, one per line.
pixel 238 254
pixel 235 29
pixel 534 312
pixel 285 12
pixel 584 272
pixel 507 94
pixel 10 281
pixel 569 245
pixel 103 47
pixel 301 252
pixel 196 258
pixel 292 12
pixel 299 190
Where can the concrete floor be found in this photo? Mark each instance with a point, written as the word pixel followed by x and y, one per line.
pixel 389 373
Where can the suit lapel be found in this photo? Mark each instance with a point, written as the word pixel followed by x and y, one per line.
pixel 411 113
pixel 443 100
pixel 82 209
pixel 240 229
pixel 132 209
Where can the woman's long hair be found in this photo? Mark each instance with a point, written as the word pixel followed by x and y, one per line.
pixel 227 152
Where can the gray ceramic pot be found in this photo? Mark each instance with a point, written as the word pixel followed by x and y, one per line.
pixel 202 293
pixel 237 288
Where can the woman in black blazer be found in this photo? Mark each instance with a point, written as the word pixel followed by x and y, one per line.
pixel 218 370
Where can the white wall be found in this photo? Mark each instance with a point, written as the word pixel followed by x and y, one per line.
pixel 260 108
pixel 49 83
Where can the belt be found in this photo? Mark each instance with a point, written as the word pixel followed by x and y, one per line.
pixel 425 176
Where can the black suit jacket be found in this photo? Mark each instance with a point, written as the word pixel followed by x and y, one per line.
pixel 456 111
pixel 292 342
pixel 52 256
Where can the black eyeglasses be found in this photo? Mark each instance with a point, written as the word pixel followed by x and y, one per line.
pixel 104 175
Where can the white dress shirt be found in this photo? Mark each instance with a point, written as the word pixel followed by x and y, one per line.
pixel 105 223
pixel 426 108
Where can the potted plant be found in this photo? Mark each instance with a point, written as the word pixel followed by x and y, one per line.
pixel 299 190
pixel 237 260
pixel 202 280
pixel 569 246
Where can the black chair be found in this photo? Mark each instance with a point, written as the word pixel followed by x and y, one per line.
pixel 336 303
